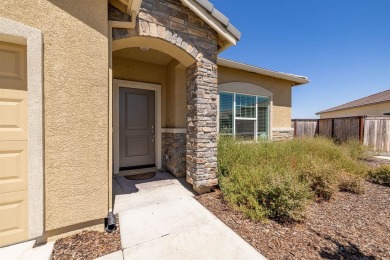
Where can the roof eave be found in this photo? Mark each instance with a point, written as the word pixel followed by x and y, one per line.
pixel 330 110
pixel 216 20
pixel 297 80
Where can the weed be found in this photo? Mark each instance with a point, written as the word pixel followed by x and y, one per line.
pixel 380 175
pixel 277 179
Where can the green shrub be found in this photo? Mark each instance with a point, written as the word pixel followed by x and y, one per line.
pixel 380 175
pixel 355 149
pixel 262 194
pixel 351 183
pixel 284 197
pixel 321 178
pixel 276 179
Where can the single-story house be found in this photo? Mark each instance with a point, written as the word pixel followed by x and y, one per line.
pixel 374 105
pixel 94 89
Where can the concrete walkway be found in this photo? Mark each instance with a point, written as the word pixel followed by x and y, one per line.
pixel 160 219
pixel 27 250
pixel 383 157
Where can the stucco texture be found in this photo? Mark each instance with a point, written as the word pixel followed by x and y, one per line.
pixel 173 86
pixel 369 110
pixel 281 89
pixel 75 104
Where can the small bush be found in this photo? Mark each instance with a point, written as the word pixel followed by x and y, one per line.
pixel 355 149
pixel 380 175
pixel 261 194
pixel 284 197
pixel 321 178
pixel 351 183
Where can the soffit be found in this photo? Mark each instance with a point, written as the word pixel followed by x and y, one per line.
pixel 150 56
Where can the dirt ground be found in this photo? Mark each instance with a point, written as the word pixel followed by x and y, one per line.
pixel 347 227
pixel 87 245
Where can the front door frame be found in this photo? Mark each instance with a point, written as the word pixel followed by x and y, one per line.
pixel 117 83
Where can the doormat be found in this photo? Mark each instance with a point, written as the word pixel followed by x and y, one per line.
pixel 143 176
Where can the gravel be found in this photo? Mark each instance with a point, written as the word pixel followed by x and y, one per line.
pixel 349 226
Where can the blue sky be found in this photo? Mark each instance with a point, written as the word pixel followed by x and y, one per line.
pixel 343 46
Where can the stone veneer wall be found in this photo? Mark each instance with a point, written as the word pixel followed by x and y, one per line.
pixel 174 153
pixel 202 126
pixel 280 135
pixel 169 20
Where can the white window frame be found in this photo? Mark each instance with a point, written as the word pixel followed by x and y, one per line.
pixel 254 119
pixel 248 89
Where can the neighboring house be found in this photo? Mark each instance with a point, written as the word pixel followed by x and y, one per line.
pixel 374 105
pixel 92 89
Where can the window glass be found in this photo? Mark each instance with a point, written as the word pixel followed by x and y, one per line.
pixel 243 123
pixel 245 128
pixel 262 116
pixel 226 113
pixel 245 106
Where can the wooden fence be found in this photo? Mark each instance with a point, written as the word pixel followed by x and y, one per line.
pixel 371 131
pixel 377 133
pixel 305 127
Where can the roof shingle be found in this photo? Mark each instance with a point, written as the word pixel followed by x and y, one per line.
pixel 220 17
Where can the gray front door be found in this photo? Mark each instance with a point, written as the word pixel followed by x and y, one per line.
pixel 136 128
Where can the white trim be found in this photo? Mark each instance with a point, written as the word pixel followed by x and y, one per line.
pixel 133 8
pixel 137 85
pixel 298 80
pixel 110 122
pixel 234 114
pixel 174 130
pixel 14 32
pixel 119 24
pixel 246 118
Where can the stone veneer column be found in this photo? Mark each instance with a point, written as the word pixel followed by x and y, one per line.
pixel 201 146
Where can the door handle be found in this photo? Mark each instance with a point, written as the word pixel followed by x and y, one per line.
pixel 152 133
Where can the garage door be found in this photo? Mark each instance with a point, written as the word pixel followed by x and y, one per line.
pixel 13 144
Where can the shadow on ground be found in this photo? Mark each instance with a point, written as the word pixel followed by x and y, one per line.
pixel 341 250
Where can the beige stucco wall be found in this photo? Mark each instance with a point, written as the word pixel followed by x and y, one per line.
pixel 370 110
pixel 75 104
pixel 281 89
pixel 176 96
pixel 132 70
pixel 172 79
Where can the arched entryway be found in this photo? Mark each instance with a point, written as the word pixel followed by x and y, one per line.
pixel 179 63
